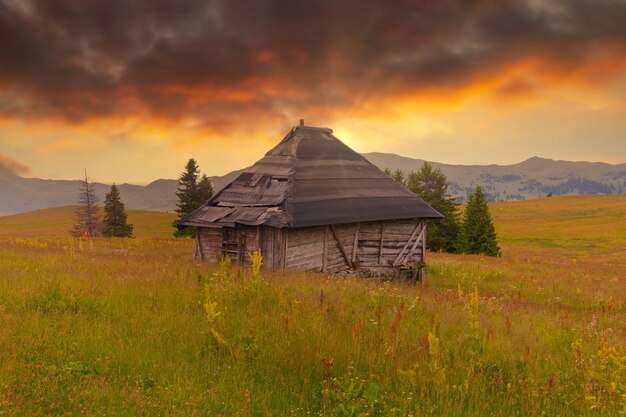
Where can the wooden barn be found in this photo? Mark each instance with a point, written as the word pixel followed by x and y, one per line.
pixel 312 203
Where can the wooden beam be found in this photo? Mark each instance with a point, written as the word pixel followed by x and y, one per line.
pixel 419 238
pixel 341 249
pixel 424 241
pixel 406 245
pixel 423 263
pixel 199 245
pixel 382 240
pixel 325 250
pixel 355 246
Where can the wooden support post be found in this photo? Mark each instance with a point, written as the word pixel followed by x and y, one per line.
pixel 382 241
pixel 406 245
pixel 355 246
pixel 284 246
pixel 199 245
pixel 325 250
pixel 423 264
pixel 341 249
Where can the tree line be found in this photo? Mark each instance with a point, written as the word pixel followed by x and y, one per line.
pixel 472 233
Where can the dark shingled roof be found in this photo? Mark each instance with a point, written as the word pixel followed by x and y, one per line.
pixel 310 178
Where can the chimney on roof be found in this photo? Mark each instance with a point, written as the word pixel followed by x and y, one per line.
pixel 301 122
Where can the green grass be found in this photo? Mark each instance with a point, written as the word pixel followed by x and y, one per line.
pixel 119 327
pixel 576 226
pixel 58 221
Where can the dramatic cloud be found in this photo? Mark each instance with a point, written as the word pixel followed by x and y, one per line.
pixel 213 63
pixel 10 166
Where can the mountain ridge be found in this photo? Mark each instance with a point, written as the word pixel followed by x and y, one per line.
pixel 531 178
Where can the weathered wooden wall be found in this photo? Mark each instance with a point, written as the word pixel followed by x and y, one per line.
pixel 272 245
pixel 372 246
pixel 208 245
pixel 237 242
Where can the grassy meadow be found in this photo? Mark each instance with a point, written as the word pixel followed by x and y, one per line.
pixel 136 327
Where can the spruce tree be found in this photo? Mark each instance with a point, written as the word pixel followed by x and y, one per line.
pixel 87 215
pixel 192 194
pixel 205 189
pixel 431 185
pixel 398 175
pixel 115 224
pixel 477 234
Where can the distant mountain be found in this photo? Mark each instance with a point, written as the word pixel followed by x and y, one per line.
pixel 19 194
pixel 535 177
pixel 532 178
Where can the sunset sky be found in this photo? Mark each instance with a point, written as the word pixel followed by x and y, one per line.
pixel 131 89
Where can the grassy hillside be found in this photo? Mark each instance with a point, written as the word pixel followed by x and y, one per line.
pixel 58 221
pixel 574 226
pixel 133 327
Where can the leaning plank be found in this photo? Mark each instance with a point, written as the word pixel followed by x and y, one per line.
pixel 341 249
pixel 325 251
pixel 382 240
pixel 356 242
pixel 406 245
pixel 418 240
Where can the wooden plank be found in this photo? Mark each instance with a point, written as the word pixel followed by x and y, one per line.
pixel 281 237
pixel 417 227
pixel 418 240
pixel 306 266
pixel 424 247
pixel 340 246
pixel 325 249
pixel 356 242
pixel 382 240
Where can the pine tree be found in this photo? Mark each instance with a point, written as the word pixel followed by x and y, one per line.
pixel 115 224
pixel 192 194
pixel 477 234
pixel 205 189
pixel 398 175
pixel 87 215
pixel 431 185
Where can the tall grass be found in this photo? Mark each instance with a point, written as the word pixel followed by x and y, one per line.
pixel 135 327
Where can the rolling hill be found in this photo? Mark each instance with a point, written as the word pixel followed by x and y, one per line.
pixel 533 178
pixel 18 194
pixel 57 222
pixel 571 226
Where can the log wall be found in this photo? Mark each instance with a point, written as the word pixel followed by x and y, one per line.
pixel 369 246
pixel 208 245
pixel 237 242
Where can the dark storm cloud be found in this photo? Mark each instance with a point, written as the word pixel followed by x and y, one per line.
pixel 75 60
pixel 11 166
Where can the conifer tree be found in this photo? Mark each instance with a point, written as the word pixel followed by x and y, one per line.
pixel 205 189
pixel 87 215
pixel 431 185
pixel 397 175
pixel 477 234
pixel 115 224
pixel 192 194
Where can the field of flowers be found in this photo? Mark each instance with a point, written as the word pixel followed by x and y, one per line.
pixel 136 327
